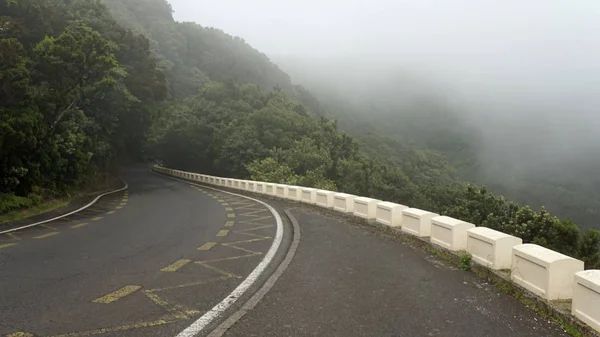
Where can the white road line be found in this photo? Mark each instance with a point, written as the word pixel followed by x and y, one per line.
pixel 70 213
pixel 218 309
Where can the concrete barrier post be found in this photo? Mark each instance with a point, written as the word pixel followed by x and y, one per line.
pixel 325 198
pixel 586 298
pixel 450 233
pixel 417 221
pixel 544 272
pixel 343 202
pixel 389 213
pixel 281 191
pixel 294 193
pixel 491 248
pixel 365 207
pixel 308 195
pixel 260 187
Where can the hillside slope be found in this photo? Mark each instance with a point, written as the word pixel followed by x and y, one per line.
pixel 190 54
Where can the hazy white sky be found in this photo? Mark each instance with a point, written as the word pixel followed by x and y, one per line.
pixel 548 42
pixel 402 26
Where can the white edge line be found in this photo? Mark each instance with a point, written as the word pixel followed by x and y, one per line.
pixel 201 323
pixel 65 215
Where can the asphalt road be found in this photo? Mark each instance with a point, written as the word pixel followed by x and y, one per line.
pixel 151 261
pixel 347 279
pixel 144 262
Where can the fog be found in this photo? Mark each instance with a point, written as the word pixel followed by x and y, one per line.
pixel 525 73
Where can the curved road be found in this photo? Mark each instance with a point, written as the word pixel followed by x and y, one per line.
pixel 151 260
pixel 144 262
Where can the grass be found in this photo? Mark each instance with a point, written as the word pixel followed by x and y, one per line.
pixel 40 208
pixel 93 185
pixel 464 262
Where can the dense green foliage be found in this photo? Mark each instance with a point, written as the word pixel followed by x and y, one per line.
pixel 518 152
pixel 238 130
pixel 79 91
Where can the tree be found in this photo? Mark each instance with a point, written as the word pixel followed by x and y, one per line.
pixel 269 169
pixel 589 249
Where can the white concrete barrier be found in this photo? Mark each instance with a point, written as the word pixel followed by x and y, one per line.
pixel 544 272
pixel 450 233
pixel 343 202
pixel 236 183
pixel 491 248
pixel 308 195
pixel 417 221
pixel 389 213
pixel 365 207
pixel 260 187
pixel 325 198
pixel 586 298
pixel 294 192
pixel 281 190
pixel 269 189
pixel 230 182
pixel 243 185
pixel 250 185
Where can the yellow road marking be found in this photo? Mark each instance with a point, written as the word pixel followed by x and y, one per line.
pixel 13 236
pixel 229 223
pixel 252 213
pixel 179 286
pixel 229 209
pixel 223 232
pixel 47 235
pixel 97 218
pixel 117 294
pixel 6 245
pixel 247 241
pixel 48 227
pixel 240 248
pixel 176 309
pixel 207 246
pixel 220 200
pixel 218 270
pixel 228 258
pixel 110 212
pixel 168 319
pixel 175 266
pixel 20 334
pixel 230 215
pixel 122 204
pixel 224 204
pixel 118 207
pixel 80 225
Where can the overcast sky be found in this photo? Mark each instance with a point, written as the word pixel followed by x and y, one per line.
pixel 554 44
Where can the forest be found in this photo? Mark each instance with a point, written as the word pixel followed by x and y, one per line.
pixel 88 85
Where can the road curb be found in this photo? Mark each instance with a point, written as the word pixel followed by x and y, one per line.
pixel 68 213
pixel 209 317
pixel 258 295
